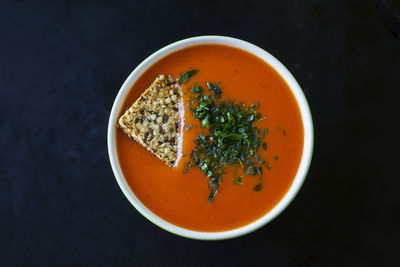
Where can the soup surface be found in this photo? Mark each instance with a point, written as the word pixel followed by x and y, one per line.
pixel 181 199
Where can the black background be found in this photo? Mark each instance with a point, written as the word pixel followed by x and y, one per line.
pixel 62 64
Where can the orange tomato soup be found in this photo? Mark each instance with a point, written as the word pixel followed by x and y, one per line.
pixel 182 199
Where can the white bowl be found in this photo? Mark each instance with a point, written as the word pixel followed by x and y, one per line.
pixel 305 115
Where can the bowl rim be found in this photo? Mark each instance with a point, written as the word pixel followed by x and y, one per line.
pixel 307 145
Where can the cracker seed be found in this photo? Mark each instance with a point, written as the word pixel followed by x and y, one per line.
pixel 148 119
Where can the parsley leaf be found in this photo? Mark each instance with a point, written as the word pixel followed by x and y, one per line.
pixel 187 75
pixel 213 87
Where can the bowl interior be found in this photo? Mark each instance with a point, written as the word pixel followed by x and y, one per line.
pixel 305 115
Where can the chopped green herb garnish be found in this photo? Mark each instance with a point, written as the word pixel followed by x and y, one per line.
pixel 196 89
pixel 213 87
pixel 187 75
pixel 205 122
pixel 264 146
pixel 267 165
pixel 254 106
pixel 237 181
pixel 232 137
pixel 258 186
pixel 284 132
pixel 187 126
pixel 275 157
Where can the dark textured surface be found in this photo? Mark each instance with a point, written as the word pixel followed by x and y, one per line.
pixel 61 65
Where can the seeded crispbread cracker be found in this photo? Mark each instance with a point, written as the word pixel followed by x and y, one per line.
pixel 153 120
